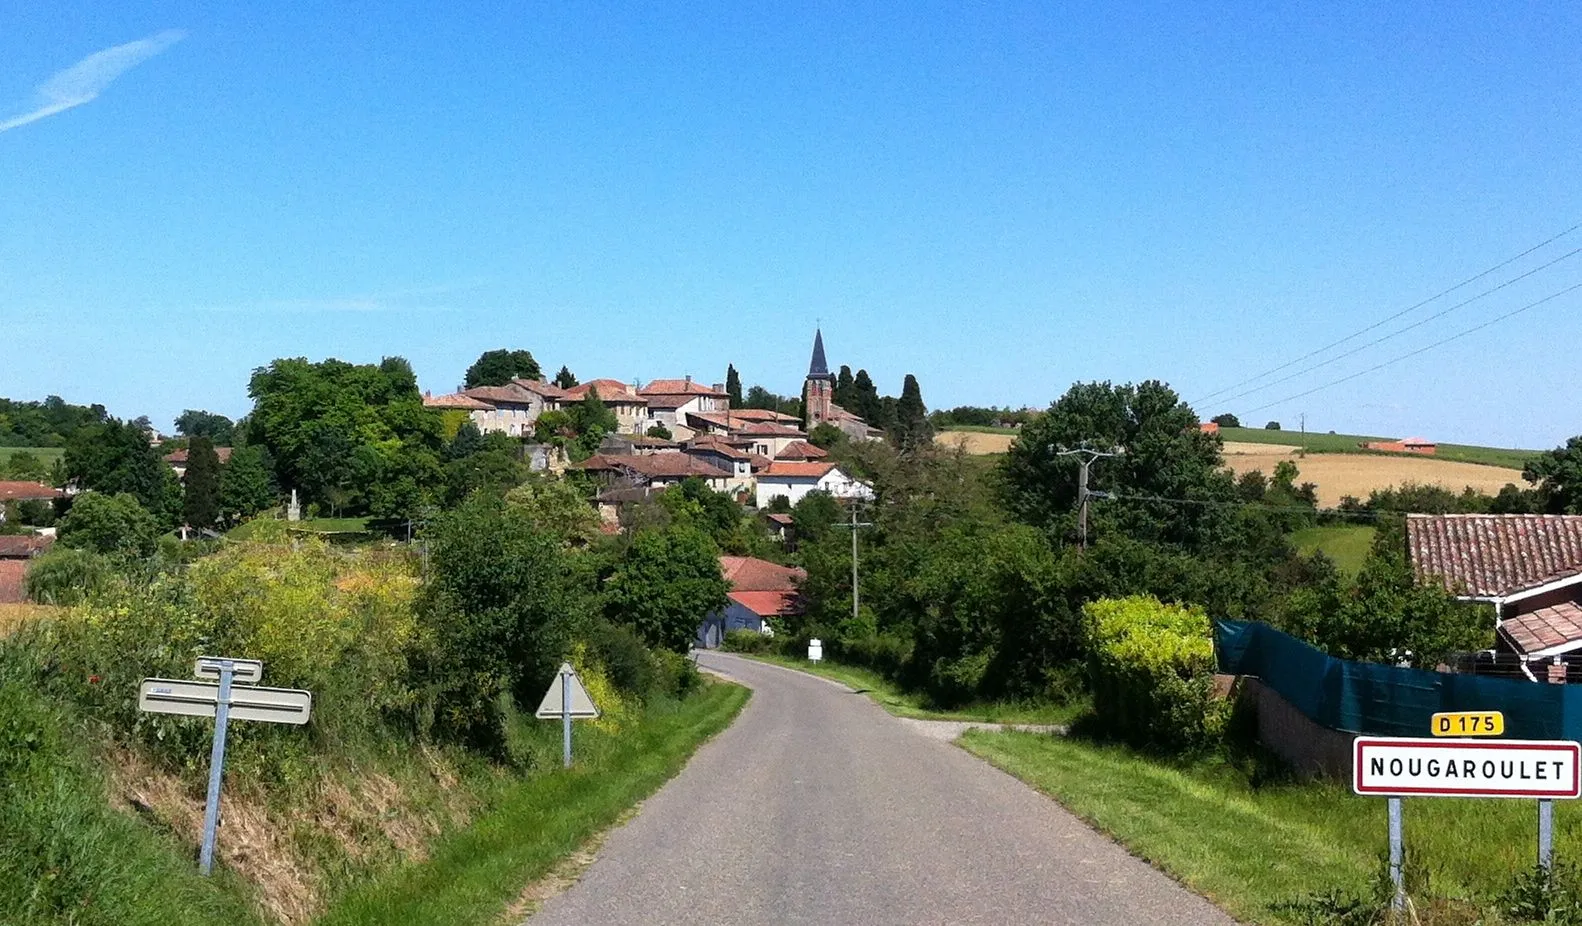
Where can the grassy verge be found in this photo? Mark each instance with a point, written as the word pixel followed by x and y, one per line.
pixel 1253 849
pixel 1346 545
pixel 906 704
pixel 472 876
pixel 1348 443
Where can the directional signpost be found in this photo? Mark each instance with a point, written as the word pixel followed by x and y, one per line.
pixel 1397 767
pixel 567 699
pixel 222 701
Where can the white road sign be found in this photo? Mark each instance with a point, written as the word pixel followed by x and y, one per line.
pixel 243 671
pixel 581 704
pixel 198 699
pixel 1406 767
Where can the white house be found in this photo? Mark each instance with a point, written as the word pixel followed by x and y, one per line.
pixel 796 480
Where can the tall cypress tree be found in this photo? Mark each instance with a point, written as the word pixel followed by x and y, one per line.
pixel 912 429
pixel 865 399
pixel 201 505
pixel 565 379
pixel 845 389
pixel 733 385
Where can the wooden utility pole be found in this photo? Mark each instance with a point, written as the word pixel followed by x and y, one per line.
pixel 854 525
pixel 1084 496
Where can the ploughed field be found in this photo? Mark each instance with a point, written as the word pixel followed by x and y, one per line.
pixel 1336 474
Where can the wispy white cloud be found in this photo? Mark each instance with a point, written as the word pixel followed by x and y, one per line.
pixel 86 79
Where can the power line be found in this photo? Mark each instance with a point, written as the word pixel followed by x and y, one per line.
pixel 1440 343
pixel 1384 321
pixel 1400 331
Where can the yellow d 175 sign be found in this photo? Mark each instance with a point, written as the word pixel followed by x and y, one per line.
pixel 1469 723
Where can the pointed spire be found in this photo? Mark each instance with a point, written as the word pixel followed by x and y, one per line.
pixel 819 368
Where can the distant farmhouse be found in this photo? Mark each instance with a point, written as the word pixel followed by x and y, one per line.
pixel 756 454
pixel 1420 445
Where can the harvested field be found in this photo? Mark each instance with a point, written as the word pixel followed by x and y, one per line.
pixel 975 441
pixel 1338 474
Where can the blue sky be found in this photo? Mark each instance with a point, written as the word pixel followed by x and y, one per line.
pixel 999 198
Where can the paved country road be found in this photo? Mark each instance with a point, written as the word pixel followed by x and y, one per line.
pixel 816 806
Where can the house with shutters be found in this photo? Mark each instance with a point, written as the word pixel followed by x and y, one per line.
pixel 1527 566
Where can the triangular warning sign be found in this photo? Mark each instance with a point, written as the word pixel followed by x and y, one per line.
pixel 581 704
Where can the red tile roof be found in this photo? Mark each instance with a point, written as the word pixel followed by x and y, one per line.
pixel 717 419
pixel 27 491
pixel 610 391
pixel 711 443
pixel 1545 627
pixel 668 402
pixel 678 387
pixel 653 465
pixel 770 429
pixel 1494 555
pixel 180 457
pixel 23 546
pixel 11 573
pixel 494 395
pixel 547 390
pixel 802 450
pixel 769 604
pixel 456 400
pixel 798 470
pixel 763 414
pixel 784 520
pixel 750 574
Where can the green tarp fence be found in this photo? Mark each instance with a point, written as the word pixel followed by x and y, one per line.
pixel 1364 697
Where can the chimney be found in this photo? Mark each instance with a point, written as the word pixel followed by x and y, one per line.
pixel 719 387
pixel 689 379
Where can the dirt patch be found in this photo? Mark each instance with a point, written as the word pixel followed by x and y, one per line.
pixel 1340 474
pixel 975 442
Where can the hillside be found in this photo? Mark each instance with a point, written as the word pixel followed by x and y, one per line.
pixel 1350 444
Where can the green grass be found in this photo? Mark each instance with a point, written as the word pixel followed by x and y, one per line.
pixel 906 704
pixel 472 876
pixel 1250 849
pixel 1349 443
pixel 1347 545
pixel 66 856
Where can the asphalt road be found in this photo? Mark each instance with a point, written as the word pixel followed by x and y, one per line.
pixel 816 806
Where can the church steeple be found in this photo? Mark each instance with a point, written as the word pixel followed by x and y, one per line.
pixel 819 367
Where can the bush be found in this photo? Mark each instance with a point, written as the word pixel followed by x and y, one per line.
pixel 110 524
pixel 742 640
pixel 1152 669
pixel 66 577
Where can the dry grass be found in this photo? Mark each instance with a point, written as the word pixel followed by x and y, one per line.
pixel 975 442
pixel 14 616
pixel 1339 474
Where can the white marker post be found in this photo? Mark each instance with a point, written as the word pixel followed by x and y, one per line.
pixel 568 700
pixel 222 701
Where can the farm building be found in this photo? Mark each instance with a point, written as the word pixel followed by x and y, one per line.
pixel 1420 445
pixel 760 591
pixel 17 552
pixel 1528 566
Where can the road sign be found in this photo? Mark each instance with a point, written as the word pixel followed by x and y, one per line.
pixel 1469 723
pixel 1402 767
pixel 554 704
pixel 243 671
pixel 201 699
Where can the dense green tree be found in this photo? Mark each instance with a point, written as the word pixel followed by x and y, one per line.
pixel 495 617
pixel 556 507
pixel 24 466
pixel 246 484
pixel 565 379
pixel 591 419
pixel 489 463
pixel 201 496
pixel 733 385
pixel 110 524
pixel 498 367
pixel 664 584
pixel 220 430
pixel 865 403
pixel 825 435
pixel 1272 426
pixel 1167 484
pixel 353 437
pixel 845 389
pixel 759 397
pixel 114 457
pixel 911 427
pixel 1227 420
pixel 50 423
pixel 555 428
pixel 660 431
pixel 815 515
pixel 1558 475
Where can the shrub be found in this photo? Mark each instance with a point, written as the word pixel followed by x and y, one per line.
pixel 1152 668
pixel 625 659
pixel 64 576
pixel 111 524
pixel 742 640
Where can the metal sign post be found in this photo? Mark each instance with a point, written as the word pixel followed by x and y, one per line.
pixel 211 811
pixel 1546 835
pixel 1397 855
pixel 568 700
pixel 222 701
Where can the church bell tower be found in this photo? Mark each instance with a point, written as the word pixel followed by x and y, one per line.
pixel 818 390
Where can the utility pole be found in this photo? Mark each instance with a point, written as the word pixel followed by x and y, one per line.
pixel 1303 418
pixel 1084 496
pixel 854 525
